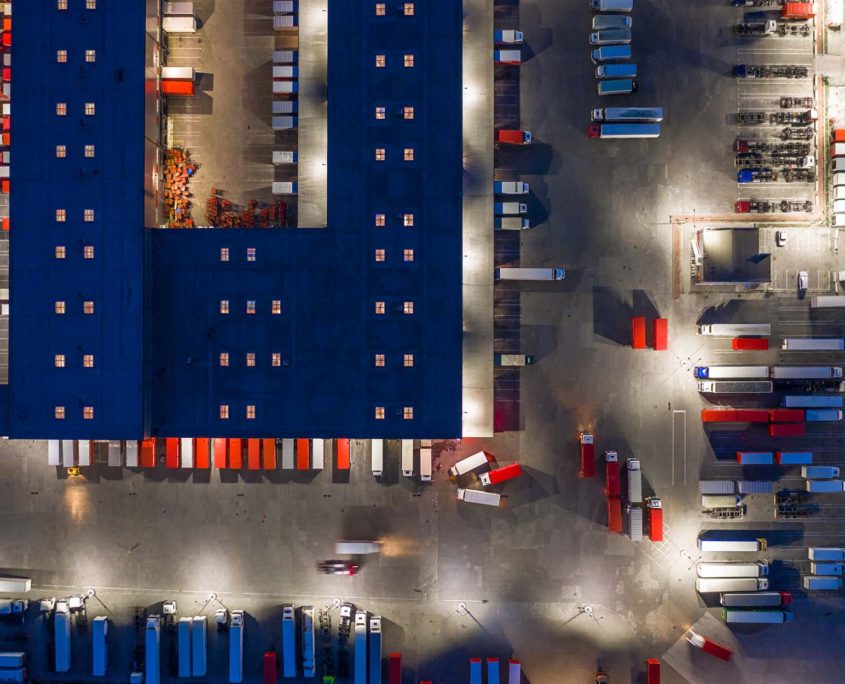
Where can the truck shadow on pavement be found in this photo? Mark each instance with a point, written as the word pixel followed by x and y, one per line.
pixel 611 316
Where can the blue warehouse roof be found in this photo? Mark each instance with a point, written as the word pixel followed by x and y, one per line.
pixel 244 332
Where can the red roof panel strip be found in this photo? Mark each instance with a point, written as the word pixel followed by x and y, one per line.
pixel 638 332
pixel 303 454
pixel 201 452
pixel 268 446
pixel 235 454
pixel 253 454
pixel 171 452
pixel 343 454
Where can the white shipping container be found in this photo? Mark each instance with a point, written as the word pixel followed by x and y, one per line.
pixel 176 8
pixel 68 453
pixel 839 176
pixel 177 73
pixel 84 447
pixel 635 523
pixel 285 87
pixel 707 586
pixel 479 497
pixel 732 545
pixel 18 585
pixel 115 455
pixel 283 21
pixel 131 454
pixel 283 7
pixel 408 457
pixel 179 24
pixel 720 500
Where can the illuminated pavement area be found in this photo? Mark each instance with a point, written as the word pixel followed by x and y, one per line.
pixel 603 210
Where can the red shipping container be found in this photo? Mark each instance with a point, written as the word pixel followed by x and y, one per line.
pixel 253 454
pixel 652 671
pixel 752 416
pixel 750 343
pixel 270 667
pixel 838 135
pixel 786 429
pixel 655 520
pixel 236 455
pixel 395 668
pixel 588 456
pixel 219 452
pixel 173 87
pixel 798 10
pixel 342 454
pixel 303 454
pixel 171 452
pixel 148 453
pixel 201 452
pixel 612 484
pixel 614 514
pixel 638 332
pixel 268 446
pixel 786 415
pixel 661 334
pixel 718 416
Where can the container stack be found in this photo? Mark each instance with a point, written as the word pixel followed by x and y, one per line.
pixel 837 162
pixel 826 567
pixel 177 81
pixel 179 17
pixel 178 170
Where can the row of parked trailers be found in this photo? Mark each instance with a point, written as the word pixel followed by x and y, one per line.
pixel 6 89
pixel 234 453
pixel 285 89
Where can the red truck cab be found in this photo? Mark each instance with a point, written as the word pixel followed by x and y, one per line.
pixel 513 137
pixel 588 456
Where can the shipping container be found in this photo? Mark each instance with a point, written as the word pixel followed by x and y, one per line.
pixel 19 585
pixel 749 344
pixel 755 457
pixel 794 457
pixel 813 401
pixel 236 647
pixel 375 649
pixel 829 553
pixel 492 671
pixel 360 645
pixel 735 386
pixel 760 599
pixel 720 500
pixel 652 671
pixel 722 545
pixel 318 452
pixel 479 497
pixel 614 514
pixel 183 640
pixel 754 486
pixel 786 429
pixel 733 569
pixel 152 646
pixel 199 638
pixel 514 672
pixel 16 675
pixel 709 586
pixel 823 486
pixel 821 583
pixel 635 481
pixel 716 487
pixel 377 457
pixel 813 344
pixel 100 645
pixel 408 457
pixel 342 454
pixel 769 617
pixel 638 332
pixel 830 569
pixel 786 415
pixel 179 24
pixel 822 415
pixel 661 334
pixel 709 646
pixel 12 659
pixel 752 416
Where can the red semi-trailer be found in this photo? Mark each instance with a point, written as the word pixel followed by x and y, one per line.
pixel 661 334
pixel 588 456
pixel 499 475
pixel 513 137
pixel 614 514
pixel 749 344
pixel 611 468
pixel 655 519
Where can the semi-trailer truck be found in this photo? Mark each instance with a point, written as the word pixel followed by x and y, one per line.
pixel 236 647
pixel 735 387
pixel 508 36
pixel 309 663
pixel 794 457
pixel 627 114
pixel 813 344
pixel 199 656
pixel 360 647
pixel 152 645
pixel 512 360
pixel 805 372
pixel 759 599
pixel 824 486
pixel 730 372
pixel 732 545
pixel 817 582
pixel 511 188
pixel 733 569
pixel 514 137
pixel 623 130
pixel 183 640
pixel 518 273
pixel 735 329
pixel 510 208
pixel 511 223
pixel 826 553
pixel 830 569
pixel 820 472
pixel 375 649
pixel 61 626
pixel 713 585
pixel 288 641
pixel 768 617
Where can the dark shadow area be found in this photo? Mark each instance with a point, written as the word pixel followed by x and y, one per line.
pixel 611 316
pixel 539 341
